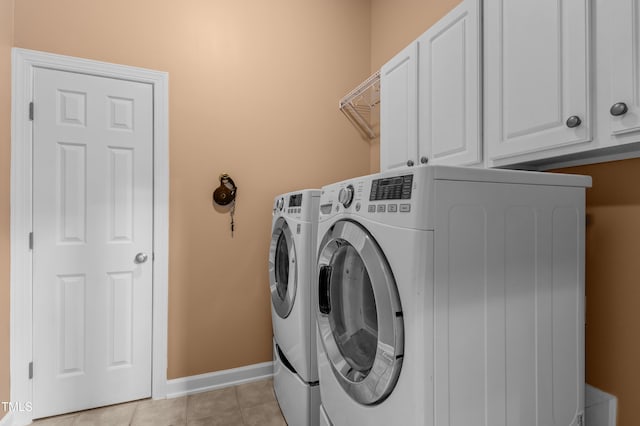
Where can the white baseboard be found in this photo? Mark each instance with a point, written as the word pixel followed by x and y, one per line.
pixel 218 380
pixel 7 420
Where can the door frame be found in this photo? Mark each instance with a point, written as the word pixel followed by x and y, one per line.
pixel 21 341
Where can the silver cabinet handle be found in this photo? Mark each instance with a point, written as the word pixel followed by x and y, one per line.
pixel 573 121
pixel 618 109
pixel 141 257
pixel 410 163
pixel 424 160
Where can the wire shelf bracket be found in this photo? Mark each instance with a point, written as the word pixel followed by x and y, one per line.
pixel 360 106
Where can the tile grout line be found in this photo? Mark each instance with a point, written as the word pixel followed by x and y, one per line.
pixel 235 391
pixel 187 401
pixel 133 415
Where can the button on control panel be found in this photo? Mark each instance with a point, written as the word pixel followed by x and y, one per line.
pixel 389 208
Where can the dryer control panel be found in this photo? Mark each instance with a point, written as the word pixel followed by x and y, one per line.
pixel 394 197
pixel 391 188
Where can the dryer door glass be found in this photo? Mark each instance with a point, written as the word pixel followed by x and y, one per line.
pixel 359 313
pixel 282 268
pixel 353 317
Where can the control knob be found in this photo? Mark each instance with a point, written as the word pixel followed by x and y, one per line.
pixel 345 196
pixel 280 204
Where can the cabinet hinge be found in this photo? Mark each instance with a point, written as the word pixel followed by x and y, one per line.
pixel 580 420
pixel 31 111
pixel 30 240
pixel 31 370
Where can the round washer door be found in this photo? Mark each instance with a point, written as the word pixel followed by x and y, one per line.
pixel 283 275
pixel 359 313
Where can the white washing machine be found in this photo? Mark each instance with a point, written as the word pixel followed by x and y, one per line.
pixel 292 269
pixel 452 296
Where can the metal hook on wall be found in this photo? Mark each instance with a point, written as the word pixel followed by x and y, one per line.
pixel 225 195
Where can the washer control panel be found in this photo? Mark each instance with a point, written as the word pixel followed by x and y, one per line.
pixel 295 200
pixel 291 204
pixel 301 205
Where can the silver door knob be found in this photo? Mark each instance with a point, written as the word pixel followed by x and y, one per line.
pixel 573 121
pixel 618 109
pixel 424 160
pixel 141 257
pixel 410 163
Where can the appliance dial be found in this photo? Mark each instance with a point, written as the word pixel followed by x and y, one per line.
pixel 280 204
pixel 345 196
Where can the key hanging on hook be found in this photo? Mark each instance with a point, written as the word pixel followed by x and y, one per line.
pixel 231 213
pixel 225 194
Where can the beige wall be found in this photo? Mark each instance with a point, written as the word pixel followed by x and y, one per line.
pixel 6 40
pixel 395 24
pixel 612 282
pixel 254 87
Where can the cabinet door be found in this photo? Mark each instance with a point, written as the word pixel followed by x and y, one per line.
pixel 537 76
pixel 449 79
pixel 399 109
pixel 619 33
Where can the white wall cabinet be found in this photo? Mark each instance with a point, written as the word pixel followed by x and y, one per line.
pixel 431 95
pixel 450 82
pixel 537 94
pixel 545 62
pixel 399 109
pixel 561 86
pixel 618 71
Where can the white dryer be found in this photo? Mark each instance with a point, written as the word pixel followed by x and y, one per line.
pixel 452 296
pixel 292 269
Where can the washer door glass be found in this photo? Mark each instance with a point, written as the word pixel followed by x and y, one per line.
pixel 282 268
pixel 359 313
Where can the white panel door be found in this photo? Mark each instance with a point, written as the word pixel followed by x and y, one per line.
pixel 399 109
pixel 537 79
pixel 619 39
pixel 92 215
pixel 449 79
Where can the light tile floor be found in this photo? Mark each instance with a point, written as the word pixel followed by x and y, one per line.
pixel 251 404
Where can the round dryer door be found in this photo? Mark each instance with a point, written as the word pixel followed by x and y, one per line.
pixel 359 313
pixel 282 268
